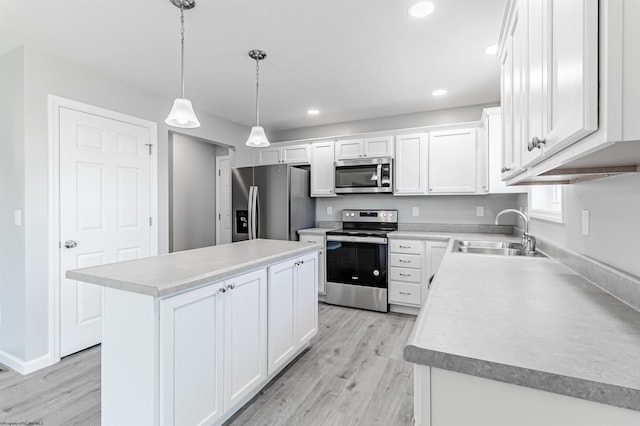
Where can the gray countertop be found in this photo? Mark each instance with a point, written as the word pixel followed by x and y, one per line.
pixel 530 322
pixel 177 272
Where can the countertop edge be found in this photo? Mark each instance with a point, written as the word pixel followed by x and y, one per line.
pixel 617 396
pixel 192 283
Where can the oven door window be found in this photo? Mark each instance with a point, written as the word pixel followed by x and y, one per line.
pixel 353 263
pixel 357 176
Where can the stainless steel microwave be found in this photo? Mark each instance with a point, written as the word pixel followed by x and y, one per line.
pixel 365 175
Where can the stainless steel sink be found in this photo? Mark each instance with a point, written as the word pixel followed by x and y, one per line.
pixel 500 248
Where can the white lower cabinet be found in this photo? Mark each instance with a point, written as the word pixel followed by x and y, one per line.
pixel 317 239
pixel 213 345
pixel 293 308
pixel 219 344
pixel 448 398
pixel 411 265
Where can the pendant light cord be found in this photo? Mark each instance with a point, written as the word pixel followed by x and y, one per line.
pixel 257 92
pixel 182 48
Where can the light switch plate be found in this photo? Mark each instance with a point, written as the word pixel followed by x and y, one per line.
pixel 479 211
pixel 329 210
pixel 416 211
pixel 585 222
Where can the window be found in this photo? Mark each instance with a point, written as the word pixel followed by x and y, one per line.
pixel 546 202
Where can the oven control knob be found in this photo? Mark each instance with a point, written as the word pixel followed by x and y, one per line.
pixel 376 272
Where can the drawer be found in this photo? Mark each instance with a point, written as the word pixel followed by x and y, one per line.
pixel 407 294
pixel 406 246
pixel 405 274
pixel 405 260
pixel 318 239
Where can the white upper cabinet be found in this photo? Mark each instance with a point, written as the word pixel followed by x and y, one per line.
pixel 411 164
pixel 492 134
pixel 377 146
pixel 288 154
pixel 453 161
pixel 549 78
pixel 322 169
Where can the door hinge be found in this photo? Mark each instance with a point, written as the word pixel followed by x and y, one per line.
pixel 150 147
pixel 150 221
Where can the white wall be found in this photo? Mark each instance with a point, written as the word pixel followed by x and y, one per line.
pixel 12 237
pixel 405 121
pixel 614 206
pixel 458 209
pixel 193 192
pixel 44 75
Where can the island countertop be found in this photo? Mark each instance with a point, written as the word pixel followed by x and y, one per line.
pixel 168 274
pixel 530 322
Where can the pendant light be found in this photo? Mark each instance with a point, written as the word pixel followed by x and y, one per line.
pixel 182 113
pixel 257 137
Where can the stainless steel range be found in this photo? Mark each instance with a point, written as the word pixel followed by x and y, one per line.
pixel 357 259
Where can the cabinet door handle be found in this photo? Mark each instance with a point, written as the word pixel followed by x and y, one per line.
pixel 505 169
pixel 231 286
pixel 535 143
pixel 222 290
pixel 405 294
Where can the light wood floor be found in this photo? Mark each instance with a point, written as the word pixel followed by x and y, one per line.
pixel 352 375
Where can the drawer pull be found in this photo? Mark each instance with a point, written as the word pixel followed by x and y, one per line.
pixel 405 246
pixel 404 261
pixel 405 275
pixel 404 294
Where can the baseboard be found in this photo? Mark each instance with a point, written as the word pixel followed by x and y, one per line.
pixel 24 367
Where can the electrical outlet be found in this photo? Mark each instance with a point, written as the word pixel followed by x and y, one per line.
pixel 585 222
pixel 479 211
pixel 416 211
pixel 329 210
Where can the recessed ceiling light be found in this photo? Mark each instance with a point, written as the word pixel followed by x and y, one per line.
pixel 439 92
pixel 421 9
pixel 313 112
pixel 491 50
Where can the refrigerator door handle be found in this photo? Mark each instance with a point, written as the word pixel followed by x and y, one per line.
pixel 256 212
pixel 250 213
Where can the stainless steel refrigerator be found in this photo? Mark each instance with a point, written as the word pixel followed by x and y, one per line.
pixel 271 202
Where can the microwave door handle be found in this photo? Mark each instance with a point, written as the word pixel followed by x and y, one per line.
pixel 379 175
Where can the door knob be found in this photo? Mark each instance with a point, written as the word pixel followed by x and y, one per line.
pixel 535 143
pixel 70 244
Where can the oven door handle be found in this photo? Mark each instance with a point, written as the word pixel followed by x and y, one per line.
pixel 351 239
pixel 379 170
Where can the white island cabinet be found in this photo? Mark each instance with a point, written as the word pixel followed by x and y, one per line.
pixel 187 337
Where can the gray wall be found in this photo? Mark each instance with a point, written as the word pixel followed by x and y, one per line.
pixel 405 121
pixel 459 209
pixel 28 270
pixel 12 237
pixel 613 205
pixel 192 192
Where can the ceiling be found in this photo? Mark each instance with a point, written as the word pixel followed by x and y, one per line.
pixel 350 59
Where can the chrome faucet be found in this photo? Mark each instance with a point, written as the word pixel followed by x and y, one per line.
pixel 528 240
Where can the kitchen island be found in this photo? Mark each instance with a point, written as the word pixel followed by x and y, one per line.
pixel 190 337
pixel 518 340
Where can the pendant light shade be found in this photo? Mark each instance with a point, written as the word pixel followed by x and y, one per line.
pixel 257 137
pixel 182 113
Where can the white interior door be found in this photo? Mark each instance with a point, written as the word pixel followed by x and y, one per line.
pixel 223 201
pixel 105 212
